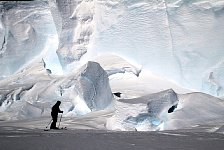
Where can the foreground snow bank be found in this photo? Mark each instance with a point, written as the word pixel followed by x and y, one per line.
pixel 143 113
pixel 167 111
pixel 196 109
pixel 32 92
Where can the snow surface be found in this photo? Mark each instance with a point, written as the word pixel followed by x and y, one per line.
pixel 24 138
pixel 155 53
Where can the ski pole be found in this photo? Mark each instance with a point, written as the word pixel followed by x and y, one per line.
pixel 60 120
pixel 48 123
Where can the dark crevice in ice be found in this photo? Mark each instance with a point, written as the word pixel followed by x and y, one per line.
pixel 118 94
pixel 18 96
pixel 2 48
pixel 172 108
pixel 3 97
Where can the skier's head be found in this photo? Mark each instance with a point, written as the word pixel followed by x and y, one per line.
pixel 58 103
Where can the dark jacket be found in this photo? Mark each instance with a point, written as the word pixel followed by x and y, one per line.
pixel 55 109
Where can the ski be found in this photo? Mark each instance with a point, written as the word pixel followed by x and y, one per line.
pixel 63 128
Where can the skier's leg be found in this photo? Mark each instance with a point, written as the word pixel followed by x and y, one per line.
pixel 53 124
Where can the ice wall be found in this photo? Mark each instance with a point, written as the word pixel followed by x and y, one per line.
pixel 73 20
pixel 181 40
pixel 26 29
pixel 196 30
pixel 178 39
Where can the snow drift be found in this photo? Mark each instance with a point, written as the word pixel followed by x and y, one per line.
pixel 32 92
pixel 143 113
pixel 152 112
pixel 196 109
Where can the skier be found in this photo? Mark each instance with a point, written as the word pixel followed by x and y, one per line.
pixel 54 114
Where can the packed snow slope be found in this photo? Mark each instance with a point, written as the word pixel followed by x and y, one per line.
pixel 151 54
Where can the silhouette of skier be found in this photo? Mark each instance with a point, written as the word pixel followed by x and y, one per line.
pixel 54 114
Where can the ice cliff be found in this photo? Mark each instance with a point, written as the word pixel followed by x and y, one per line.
pixel 26 29
pixel 178 39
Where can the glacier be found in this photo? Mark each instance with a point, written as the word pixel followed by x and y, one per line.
pixel 158 54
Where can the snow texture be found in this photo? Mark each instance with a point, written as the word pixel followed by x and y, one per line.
pixel 94 84
pixel 150 112
pixel 179 39
pixel 25 31
pixel 196 109
pixel 32 92
pixel 73 20
pixel 114 64
pixel 147 112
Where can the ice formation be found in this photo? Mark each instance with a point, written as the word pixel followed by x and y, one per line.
pixel 94 86
pixel 190 112
pixel 73 20
pixel 147 112
pixel 150 112
pixel 178 39
pixel 134 47
pixel 26 29
pixel 32 92
pixel 114 64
